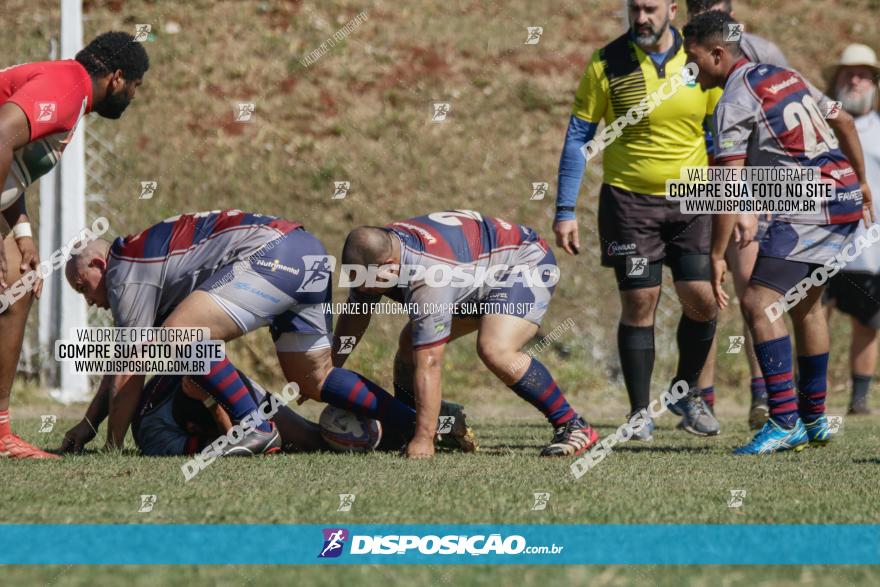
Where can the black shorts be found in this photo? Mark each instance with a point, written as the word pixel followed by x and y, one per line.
pixel 639 230
pixel 856 294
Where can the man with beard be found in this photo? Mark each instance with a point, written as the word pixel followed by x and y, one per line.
pixel 40 107
pixel 856 289
pixel 639 82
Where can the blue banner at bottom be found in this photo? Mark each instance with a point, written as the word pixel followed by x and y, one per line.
pixel 355 544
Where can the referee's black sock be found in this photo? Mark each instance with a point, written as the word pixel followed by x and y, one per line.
pixel 636 347
pixel 694 343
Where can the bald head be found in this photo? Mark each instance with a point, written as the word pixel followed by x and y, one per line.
pixel 367 245
pixel 79 260
pixel 85 272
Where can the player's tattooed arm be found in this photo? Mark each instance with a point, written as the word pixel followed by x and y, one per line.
pixel 125 392
pixel 428 368
pixel 848 138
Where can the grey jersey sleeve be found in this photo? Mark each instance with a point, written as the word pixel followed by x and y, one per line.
pixel 734 122
pixel 760 50
pixel 134 304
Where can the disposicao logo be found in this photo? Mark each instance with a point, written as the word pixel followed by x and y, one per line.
pixel 334 540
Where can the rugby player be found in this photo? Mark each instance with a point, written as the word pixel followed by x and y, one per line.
pixel 771 116
pixel 412 257
pixel 40 107
pixel 638 229
pixel 743 248
pixel 177 417
pixel 232 272
pixel 856 289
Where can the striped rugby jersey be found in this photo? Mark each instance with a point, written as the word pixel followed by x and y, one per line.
pixel 454 238
pixel 771 116
pixel 150 273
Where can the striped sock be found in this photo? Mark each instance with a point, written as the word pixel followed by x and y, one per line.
pixel 708 394
pixel 539 388
pixel 774 356
pixel 227 388
pixel 759 389
pixel 350 391
pixel 812 386
pixel 5 429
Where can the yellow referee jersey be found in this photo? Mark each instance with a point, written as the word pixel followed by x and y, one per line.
pixel 618 78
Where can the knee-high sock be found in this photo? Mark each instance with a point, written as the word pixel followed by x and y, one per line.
pixel 758 389
pixel 350 391
pixel 812 386
pixel 636 347
pixel 861 384
pixel 694 343
pixel 539 388
pixel 224 384
pixel 774 356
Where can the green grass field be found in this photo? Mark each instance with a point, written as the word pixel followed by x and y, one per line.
pixel 361 113
pixel 676 479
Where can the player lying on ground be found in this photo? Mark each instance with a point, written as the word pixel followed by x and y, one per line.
pixel 177 417
pixel 40 107
pixel 232 272
pixel 463 241
pixel 771 116
pixel 742 252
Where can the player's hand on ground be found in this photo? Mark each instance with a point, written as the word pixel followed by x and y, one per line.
pixel 567 236
pixel 29 260
pixel 719 268
pixel 745 229
pixel 868 206
pixel 77 437
pixel 420 448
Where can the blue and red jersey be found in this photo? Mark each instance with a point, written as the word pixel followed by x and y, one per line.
pixel 149 273
pixel 772 117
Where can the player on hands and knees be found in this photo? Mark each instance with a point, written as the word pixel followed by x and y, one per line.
pixel 639 230
pixel 40 107
pixel 232 272
pixel 754 127
pixel 743 248
pixel 505 307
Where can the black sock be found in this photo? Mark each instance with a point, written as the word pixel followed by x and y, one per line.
pixel 860 386
pixel 636 347
pixel 694 343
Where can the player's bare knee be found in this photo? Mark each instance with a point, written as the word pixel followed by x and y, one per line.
pixel 495 357
pixel 637 306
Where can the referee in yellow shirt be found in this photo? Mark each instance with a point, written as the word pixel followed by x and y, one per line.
pixel 641 77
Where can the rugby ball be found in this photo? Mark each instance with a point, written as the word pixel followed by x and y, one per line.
pixel 345 431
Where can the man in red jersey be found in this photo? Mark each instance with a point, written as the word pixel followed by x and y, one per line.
pixel 40 107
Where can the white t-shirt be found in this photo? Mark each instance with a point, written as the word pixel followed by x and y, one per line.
pixel 868 127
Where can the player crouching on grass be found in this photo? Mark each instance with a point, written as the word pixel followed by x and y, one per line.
pixel 464 243
pixel 177 417
pixel 232 272
pixel 770 116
